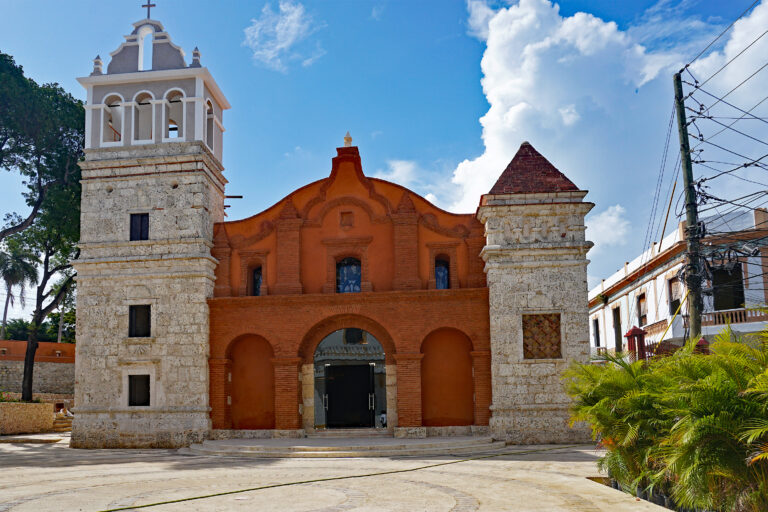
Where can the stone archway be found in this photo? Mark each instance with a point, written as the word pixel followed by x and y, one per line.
pixel 325 344
pixel 349 381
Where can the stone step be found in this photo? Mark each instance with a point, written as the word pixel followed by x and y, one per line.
pixel 351 432
pixel 357 444
pixel 314 448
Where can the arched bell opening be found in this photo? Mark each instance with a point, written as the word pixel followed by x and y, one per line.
pixel 350 381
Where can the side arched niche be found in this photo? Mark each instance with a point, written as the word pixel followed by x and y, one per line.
pixel 447 386
pixel 253 383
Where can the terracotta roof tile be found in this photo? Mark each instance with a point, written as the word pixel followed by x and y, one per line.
pixel 529 172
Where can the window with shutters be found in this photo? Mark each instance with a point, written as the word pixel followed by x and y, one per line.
pixel 139 321
pixel 675 294
pixel 138 390
pixel 617 329
pixel 596 329
pixel 728 287
pixel 642 310
pixel 139 226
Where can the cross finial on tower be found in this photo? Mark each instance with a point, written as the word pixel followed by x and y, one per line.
pixel 149 5
pixel 347 140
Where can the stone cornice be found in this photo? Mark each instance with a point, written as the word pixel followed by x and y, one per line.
pixel 143 243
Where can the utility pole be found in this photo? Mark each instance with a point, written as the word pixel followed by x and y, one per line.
pixel 692 274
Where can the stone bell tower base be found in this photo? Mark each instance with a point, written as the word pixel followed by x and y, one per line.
pixel 536 266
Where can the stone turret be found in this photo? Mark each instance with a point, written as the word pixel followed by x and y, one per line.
pixel 536 266
pixel 152 189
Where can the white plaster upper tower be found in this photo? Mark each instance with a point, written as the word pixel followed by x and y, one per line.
pixel 152 188
pixel 149 95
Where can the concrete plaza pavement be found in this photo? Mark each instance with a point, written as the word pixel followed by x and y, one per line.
pixel 39 477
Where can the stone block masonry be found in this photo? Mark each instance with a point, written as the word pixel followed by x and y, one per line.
pixel 181 187
pixel 536 264
pixel 25 418
pixel 54 378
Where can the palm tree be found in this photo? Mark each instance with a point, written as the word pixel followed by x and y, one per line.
pixel 18 267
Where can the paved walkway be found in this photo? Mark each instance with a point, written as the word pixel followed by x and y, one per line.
pixel 52 477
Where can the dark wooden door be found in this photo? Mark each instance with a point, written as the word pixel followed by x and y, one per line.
pixel 350 391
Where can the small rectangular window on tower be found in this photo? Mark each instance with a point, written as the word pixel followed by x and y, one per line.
pixel 139 321
pixel 139 226
pixel 138 390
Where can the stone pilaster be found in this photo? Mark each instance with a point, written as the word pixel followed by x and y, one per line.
pixel 536 267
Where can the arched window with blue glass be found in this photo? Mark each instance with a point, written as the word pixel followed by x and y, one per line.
pixel 348 273
pixel 256 283
pixel 442 273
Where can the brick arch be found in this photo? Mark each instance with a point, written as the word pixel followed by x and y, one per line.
pixel 447 381
pixel 448 328
pixel 320 330
pixel 252 388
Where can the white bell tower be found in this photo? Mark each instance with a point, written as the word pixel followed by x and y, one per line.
pixel 152 188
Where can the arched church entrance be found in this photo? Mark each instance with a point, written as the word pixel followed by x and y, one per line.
pixel 350 381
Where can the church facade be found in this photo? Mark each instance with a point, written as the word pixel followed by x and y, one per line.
pixel 351 303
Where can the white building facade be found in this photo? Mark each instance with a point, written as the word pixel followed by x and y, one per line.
pixel 649 291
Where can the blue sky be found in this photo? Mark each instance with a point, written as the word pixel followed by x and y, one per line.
pixel 437 94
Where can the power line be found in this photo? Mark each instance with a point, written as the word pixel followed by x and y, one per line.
pixel 728 175
pixel 713 75
pixel 722 33
pixel 721 100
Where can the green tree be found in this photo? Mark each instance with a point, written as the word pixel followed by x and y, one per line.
pixel 17 329
pixel 41 138
pixel 53 237
pixel 18 268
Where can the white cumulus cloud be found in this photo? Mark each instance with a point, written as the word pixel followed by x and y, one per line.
pixel 275 37
pixel 609 228
pixel 402 172
pixel 545 75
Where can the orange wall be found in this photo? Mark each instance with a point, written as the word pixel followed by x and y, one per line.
pixel 46 351
pixel 297 240
pixel 396 234
pixel 253 388
pixel 446 379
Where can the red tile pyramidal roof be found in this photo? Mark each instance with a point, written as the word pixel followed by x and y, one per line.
pixel 529 172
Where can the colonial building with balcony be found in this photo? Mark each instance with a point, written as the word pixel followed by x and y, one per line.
pixel 648 292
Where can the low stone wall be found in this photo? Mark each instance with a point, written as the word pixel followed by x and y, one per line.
pixel 67 400
pixel 468 430
pixel 25 418
pixel 224 434
pixel 56 378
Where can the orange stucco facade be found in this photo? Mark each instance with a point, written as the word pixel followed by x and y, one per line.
pixel 438 339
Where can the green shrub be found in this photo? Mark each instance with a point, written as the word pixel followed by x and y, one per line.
pixel 690 425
